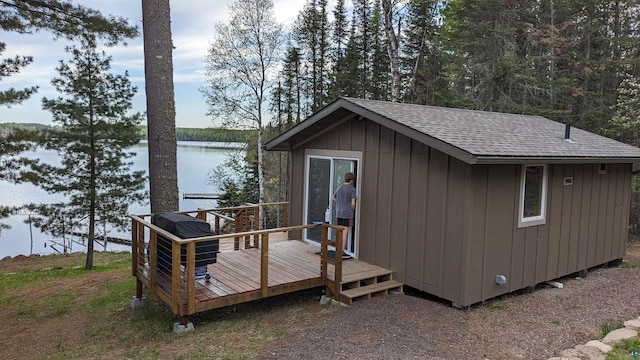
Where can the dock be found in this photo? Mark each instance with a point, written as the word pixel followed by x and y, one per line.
pixel 207 196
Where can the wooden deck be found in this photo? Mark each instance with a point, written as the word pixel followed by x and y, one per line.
pixel 265 264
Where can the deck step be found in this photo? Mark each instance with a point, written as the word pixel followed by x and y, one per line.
pixel 379 288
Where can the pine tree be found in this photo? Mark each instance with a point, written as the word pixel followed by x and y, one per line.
pixel 161 110
pixel 339 37
pixel 625 124
pixel 64 20
pixel 423 57
pixel 311 31
pixel 362 19
pixel 382 83
pixel 93 135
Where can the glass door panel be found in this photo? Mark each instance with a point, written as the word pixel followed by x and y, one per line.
pixel 318 194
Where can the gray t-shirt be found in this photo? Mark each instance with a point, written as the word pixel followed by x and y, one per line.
pixel 344 195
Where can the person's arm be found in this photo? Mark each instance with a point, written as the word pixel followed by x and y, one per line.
pixel 353 204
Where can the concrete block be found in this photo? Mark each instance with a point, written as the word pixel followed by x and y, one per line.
pixel 180 329
pixel 136 303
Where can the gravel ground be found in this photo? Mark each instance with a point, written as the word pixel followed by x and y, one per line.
pixel 537 325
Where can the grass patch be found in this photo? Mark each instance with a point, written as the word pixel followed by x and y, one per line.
pixel 609 326
pixel 67 312
pixel 626 349
pixel 14 280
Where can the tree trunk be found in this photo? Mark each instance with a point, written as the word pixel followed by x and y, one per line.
pixel 161 113
pixel 393 43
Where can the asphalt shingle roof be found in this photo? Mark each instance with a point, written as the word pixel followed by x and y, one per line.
pixel 469 135
pixel 482 133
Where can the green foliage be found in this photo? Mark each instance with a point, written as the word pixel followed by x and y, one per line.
pixel 213 134
pixel 94 133
pixel 34 277
pixel 608 327
pixel 63 19
pixel 627 349
pixel 10 67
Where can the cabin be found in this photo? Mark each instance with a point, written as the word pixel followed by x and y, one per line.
pixel 465 205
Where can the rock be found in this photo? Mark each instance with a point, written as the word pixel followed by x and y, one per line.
pixel 324 300
pixel 590 352
pixel 601 346
pixel 570 353
pixel 618 335
pixel 632 324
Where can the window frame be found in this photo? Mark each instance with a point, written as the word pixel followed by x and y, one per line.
pixel 538 219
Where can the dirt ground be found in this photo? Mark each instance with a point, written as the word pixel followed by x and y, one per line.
pixel 537 325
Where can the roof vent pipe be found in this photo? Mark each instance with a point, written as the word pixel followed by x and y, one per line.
pixel 567 131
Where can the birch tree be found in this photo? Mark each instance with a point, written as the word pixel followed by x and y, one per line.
pixel 241 64
pixel 393 46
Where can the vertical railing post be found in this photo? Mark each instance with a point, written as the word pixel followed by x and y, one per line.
pixel 338 263
pixel 217 224
pixel 202 215
pixel 191 277
pixel 264 265
pixel 175 276
pixel 135 261
pixel 323 259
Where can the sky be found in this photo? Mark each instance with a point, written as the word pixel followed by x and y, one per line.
pixel 192 24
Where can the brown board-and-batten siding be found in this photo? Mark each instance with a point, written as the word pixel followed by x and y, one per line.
pixel 448 228
pixel 412 204
pixel 585 226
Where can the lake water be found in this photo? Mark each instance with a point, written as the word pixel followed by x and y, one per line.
pixel 195 160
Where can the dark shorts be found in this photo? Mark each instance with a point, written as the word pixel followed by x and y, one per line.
pixel 345 222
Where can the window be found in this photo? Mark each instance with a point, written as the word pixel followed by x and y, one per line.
pixel 533 195
pixel 568 181
pixel 603 169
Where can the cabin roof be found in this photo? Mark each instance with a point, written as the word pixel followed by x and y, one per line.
pixel 472 136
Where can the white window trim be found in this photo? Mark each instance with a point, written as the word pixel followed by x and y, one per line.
pixel 533 220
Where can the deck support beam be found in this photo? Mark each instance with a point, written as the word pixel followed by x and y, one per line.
pixel 264 265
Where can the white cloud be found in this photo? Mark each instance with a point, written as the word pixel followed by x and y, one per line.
pixel 192 25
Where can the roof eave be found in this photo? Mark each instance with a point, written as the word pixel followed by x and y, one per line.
pixel 280 143
pixel 550 160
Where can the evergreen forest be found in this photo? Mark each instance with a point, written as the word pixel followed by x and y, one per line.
pixel 575 62
pixel 565 60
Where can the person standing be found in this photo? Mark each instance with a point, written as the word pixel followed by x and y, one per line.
pixel 345 198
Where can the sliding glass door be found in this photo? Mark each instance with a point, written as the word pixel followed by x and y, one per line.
pixel 324 175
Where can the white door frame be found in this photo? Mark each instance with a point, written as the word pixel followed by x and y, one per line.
pixel 334 155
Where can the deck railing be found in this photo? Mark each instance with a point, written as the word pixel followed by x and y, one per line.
pixel 332 286
pixel 175 284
